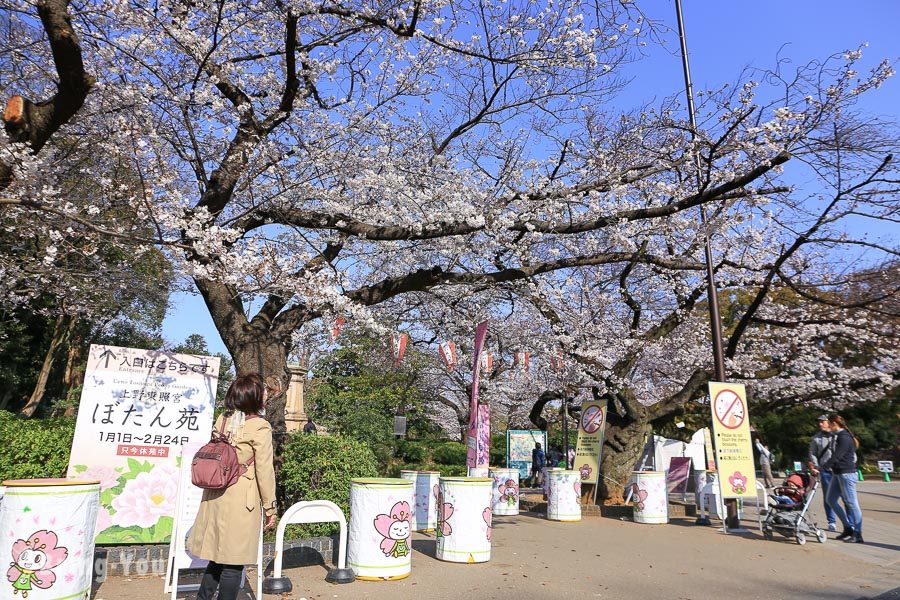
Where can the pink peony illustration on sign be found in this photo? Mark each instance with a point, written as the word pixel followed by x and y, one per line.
pixel 444 511
pixel 33 561
pixel 107 476
pixel 395 528
pixel 585 471
pixel 509 492
pixel 147 498
pixel 486 514
pixel 104 519
pixel 738 482
pixel 639 495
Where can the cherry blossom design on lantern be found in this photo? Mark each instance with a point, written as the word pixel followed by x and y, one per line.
pixel 33 561
pixel 585 471
pixel 487 514
pixel 444 511
pixel 509 492
pixel 738 482
pixel 640 495
pixel 395 528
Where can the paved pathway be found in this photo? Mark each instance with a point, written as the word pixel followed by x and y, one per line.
pixel 535 559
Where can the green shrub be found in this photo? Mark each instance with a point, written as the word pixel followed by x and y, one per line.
pixel 320 468
pixel 450 453
pixel 32 448
pixel 413 452
pixel 498 450
pixel 452 470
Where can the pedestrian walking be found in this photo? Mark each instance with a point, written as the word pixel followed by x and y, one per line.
pixel 538 462
pixel 553 457
pixel 226 530
pixel 842 464
pixel 765 462
pixel 819 452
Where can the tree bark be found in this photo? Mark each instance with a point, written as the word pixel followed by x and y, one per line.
pixel 622 448
pixel 61 331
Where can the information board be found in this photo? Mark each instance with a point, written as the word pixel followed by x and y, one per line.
pixel 519 444
pixel 138 410
pixel 591 429
pixel 678 475
pixel 731 431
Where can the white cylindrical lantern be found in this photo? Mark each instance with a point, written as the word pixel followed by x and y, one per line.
pixel 564 495
pixel 464 519
pixel 379 541
pixel 479 472
pixel 48 528
pixel 425 508
pixel 546 477
pixel 650 497
pixel 505 491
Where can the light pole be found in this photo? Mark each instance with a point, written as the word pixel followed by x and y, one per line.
pixel 565 428
pixel 715 323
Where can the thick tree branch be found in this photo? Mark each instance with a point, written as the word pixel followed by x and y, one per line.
pixel 423 279
pixel 34 124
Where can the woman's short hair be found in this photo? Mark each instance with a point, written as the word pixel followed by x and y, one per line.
pixel 246 394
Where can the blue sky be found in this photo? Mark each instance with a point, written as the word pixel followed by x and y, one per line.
pixel 723 37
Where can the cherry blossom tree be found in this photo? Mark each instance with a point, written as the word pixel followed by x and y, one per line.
pixel 300 160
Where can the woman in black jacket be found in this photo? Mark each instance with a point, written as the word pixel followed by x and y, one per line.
pixel 842 464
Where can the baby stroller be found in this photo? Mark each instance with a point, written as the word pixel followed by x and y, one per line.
pixel 788 515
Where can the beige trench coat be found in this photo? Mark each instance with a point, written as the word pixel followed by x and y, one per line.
pixel 227 526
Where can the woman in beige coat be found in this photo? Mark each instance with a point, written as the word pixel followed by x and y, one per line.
pixel 226 531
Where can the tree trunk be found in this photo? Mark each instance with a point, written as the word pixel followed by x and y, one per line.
pixel 268 357
pixel 61 331
pixel 625 441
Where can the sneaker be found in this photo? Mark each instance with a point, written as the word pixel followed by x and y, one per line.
pixel 856 539
pixel 832 527
pixel 847 534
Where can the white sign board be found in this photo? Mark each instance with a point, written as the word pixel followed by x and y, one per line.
pixel 187 506
pixel 138 409
pixel 886 466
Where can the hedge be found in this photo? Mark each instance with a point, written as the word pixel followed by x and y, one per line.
pixel 450 453
pixel 34 448
pixel 320 468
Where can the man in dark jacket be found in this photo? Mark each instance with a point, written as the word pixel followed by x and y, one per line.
pixel 819 452
pixel 842 464
pixel 538 462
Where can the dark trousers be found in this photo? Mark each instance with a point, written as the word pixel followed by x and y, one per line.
pixel 225 578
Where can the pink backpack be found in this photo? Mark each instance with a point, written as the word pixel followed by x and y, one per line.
pixel 216 466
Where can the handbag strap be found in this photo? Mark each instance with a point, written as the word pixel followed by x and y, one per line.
pixel 222 434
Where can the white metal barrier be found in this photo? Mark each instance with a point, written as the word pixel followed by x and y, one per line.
pixel 313 511
pixel 712 489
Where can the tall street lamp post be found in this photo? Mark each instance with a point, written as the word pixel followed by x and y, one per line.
pixel 715 322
